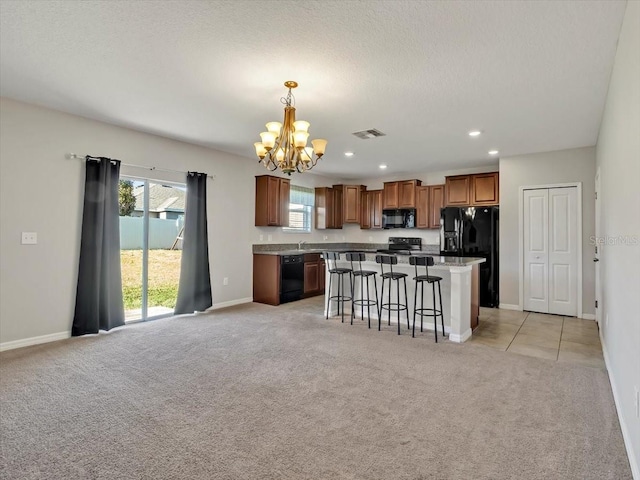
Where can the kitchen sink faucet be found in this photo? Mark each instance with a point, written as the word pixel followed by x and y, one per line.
pixel 300 244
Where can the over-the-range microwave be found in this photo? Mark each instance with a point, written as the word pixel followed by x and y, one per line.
pixel 399 218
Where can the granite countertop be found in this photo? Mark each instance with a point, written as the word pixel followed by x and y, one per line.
pixel 439 260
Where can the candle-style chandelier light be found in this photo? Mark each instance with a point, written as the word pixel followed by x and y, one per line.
pixel 284 145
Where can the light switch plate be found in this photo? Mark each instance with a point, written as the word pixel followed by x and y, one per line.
pixel 29 238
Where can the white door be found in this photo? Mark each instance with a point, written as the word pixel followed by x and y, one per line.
pixel 551 253
pixel 596 257
pixel 536 250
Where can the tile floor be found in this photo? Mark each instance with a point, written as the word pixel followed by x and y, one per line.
pixel 553 337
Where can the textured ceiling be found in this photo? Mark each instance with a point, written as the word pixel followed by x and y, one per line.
pixel 532 75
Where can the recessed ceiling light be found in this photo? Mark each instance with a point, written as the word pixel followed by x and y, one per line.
pixel 348 154
pixel 474 133
pixel 383 166
pixel 493 152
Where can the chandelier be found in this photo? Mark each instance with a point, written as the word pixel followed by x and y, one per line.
pixel 284 145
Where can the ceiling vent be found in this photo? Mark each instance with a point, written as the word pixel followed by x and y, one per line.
pixel 371 133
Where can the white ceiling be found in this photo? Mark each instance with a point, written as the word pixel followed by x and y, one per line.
pixel 532 75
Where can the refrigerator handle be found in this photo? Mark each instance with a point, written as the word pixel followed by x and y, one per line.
pixel 460 234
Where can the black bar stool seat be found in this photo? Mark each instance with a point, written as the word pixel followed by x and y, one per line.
pixel 340 298
pixel 420 280
pixel 360 257
pixel 390 275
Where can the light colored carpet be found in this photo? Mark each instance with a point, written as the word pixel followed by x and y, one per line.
pixel 259 392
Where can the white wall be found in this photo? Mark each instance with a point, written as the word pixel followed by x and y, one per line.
pixel 564 166
pixel 41 191
pixel 618 157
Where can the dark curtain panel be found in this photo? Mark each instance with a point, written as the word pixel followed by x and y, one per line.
pixel 99 294
pixel 194 291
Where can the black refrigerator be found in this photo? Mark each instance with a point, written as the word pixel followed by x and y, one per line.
pixel 473 232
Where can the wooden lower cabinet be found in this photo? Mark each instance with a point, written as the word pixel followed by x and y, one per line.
pixel 314 275
pixel 266 279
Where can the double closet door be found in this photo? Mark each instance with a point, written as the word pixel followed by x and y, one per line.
pixel 551 250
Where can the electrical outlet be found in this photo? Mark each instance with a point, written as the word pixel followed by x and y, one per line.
pixel 269 237
pixel 371 239
pixel 637 401
pixel 325 237
pixel 225 281
pixel 29 238
pixel 262 238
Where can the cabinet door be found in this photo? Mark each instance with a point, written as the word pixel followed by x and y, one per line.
pixel 351 203
pixel 324 214
pixel 485 189
pixel 457 190
pixel 407 194
pixel 285 187
pixel 422 207
pixel 337 207
pixel 436 202
pixel 390 195
pixel 365 210
pixel 267 205
pixel 376 209
pixel 273 201
pixel 311 272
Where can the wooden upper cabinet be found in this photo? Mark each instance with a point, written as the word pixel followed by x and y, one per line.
pixel 485 189
pixel 436 202
pixel 328 208
pixel 457 190
pixel 390 195
pixel 430 201
pixel 422 207
pixel 400 194
pixel 285 192
pixel 351 203
pixel 407 193
pixel 371 211
pixel 376 208
pixel 272 201
pixel 338 216
pixel 366 199
pixel 480 189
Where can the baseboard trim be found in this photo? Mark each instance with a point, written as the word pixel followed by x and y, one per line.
pixel 230 303
pixel 588 316
pixel 460 338
pixel 633 461
pixel 27 342
pixel 509 306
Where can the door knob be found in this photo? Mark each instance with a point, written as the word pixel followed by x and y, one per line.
pixel 596 259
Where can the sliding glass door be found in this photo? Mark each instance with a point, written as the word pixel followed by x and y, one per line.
pixel 151 222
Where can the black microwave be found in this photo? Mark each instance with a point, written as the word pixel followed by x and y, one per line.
pixel 399 218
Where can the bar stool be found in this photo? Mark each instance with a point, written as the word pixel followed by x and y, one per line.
pixel 426 262
pixel 390 275
pixel 359 257
pixel 340 298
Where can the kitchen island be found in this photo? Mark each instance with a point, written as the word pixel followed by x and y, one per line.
pixel 460 292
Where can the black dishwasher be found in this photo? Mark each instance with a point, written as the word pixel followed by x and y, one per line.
pixel 291 277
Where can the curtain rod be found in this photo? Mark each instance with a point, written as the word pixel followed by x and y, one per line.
pixel 159 169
